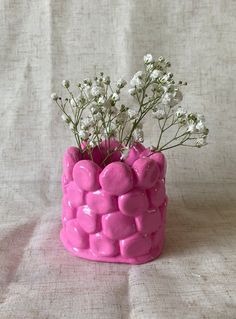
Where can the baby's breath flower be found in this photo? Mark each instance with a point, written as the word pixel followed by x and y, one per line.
pixel 161 59
pixel 137 81
pixel 192 117
pixel 172 99
pixel 180 112
pixel 115 97
pixel 200 127
pixel 106 80
pixel 159 114
pixel 101 100
pixel 148 58
pixel 95 90
pixel 138 135
pixel 87 123
pixel 201 141
pixel 132 91
pixel 93 108
pixel 155 74
pixel 149 67
pixel 54 96
pixel 65 118
pixel 87 82
pixel 92 144
pixel 191 128
pixel 121 83
pixel 138 74
pixel 83 135
pixel 66 83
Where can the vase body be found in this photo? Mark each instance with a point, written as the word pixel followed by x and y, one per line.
pixel 114 213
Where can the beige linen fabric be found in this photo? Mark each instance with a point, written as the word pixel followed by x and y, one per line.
pixel 43 42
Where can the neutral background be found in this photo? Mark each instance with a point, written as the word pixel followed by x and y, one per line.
pixel 43 42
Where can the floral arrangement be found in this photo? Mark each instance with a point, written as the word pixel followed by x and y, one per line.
pixel 95 114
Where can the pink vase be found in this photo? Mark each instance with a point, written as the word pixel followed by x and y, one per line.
pixel 117 212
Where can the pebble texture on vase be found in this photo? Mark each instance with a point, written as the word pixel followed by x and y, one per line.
pixel 114 213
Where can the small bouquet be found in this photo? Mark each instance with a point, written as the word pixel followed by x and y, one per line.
pixel 114 197
pixel 94 113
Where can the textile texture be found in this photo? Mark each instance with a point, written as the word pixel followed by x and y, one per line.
pixel 44 42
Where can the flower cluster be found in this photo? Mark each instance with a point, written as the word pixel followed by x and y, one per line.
pixel 95 113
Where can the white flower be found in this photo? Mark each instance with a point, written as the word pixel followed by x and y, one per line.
pixel 138 135
pixel 172 99
pixel 191 128
pixel 161 59
pixel 200 127
pixel 93 108
pixel 87 123
pixel 132 91
pixel 101 100
pixel 74 102
pixel 115 97
pixel 121 83
pixel 106 80
pixel 180 112
pixel 159 114
pixel 83 135
pixel 65 118
pixel 201 141
pixel 133 114
pixel 155 74
pixel 95 90
pixel 92 144
pixel 54 96
pixel 138 74
pixel 87 82
pixel 148 58
pixel 66 83
pixel 166 98
pixel 149 67
pixel 136 81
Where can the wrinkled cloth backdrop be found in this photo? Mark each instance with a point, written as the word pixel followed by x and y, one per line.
pixel 43 42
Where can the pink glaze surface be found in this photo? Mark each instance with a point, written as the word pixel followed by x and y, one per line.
pixel 115 213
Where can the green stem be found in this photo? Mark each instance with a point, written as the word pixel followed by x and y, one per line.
pixel 173 139
pixel 162 129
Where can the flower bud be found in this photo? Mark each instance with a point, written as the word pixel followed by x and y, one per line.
pixel 66 83
pixel 54 96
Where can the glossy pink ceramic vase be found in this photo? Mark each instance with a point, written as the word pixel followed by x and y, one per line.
pixel 114 213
